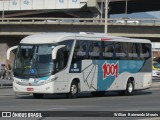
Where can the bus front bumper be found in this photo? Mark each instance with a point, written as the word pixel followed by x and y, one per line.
pixel 46 88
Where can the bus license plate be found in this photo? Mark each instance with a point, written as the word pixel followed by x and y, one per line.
pixel 30 89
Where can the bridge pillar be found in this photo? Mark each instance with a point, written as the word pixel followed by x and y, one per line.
pixel 156 54
pixel 3 49
pixel 5 43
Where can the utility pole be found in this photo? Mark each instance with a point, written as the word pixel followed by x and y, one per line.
pixel 3 12
pixel 106 17
pixel 102 10
pixel 126 10
pixel 4 4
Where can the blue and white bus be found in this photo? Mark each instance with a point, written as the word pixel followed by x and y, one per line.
pixel 70 63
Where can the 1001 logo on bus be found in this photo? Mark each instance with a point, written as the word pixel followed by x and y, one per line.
pixel 110 70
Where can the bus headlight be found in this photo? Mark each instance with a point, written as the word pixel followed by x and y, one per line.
pixel 16 81
pixel 49 80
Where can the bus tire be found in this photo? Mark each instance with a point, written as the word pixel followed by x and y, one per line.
pixel 73 90
pixel 38 96
pixel 98 94
pixel 129 88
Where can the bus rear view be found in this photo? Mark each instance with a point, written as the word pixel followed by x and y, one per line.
pixel 70 63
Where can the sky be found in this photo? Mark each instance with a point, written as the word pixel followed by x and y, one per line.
pixel 139 15
pixel 155 14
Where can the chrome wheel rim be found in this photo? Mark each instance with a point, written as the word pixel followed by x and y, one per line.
pixel 74 89
pixel 130 87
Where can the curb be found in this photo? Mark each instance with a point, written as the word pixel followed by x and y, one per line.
pixel 6 83
pixel 155 85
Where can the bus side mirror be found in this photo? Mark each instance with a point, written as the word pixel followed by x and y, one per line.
pixel 9 50
pixel 54 52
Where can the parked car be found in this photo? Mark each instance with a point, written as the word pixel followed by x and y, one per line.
pixel 155 70
pixel 127 20
pixel 54 21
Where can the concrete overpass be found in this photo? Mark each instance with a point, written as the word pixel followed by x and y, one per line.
pixel 148 28
pixel 69 8
pixel 12 30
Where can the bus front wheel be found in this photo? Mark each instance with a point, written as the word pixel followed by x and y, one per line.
pixel 38 96
pixel 73 90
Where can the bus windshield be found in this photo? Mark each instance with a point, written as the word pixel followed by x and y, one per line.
pixel 34 60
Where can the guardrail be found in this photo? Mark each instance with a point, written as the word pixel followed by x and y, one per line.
pixel 5 83
pixel 81 21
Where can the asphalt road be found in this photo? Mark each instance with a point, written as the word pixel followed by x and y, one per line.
pixel 146 100
pixel 141 100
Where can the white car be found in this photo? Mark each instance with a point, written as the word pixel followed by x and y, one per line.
pixel 155 74
pixel 127 20
pixel 52 21
pixel 155 70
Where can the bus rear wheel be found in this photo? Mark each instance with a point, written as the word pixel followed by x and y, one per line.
pixel 38 96
pixel 73 90
pixel 129 88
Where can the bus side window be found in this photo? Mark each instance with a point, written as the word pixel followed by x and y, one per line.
pixel 80 51
pixel 95 50
pixel 138 50
pixel 117 51
pixel 108 50
pixel 132 51
pixel 145 51
pixel 123 51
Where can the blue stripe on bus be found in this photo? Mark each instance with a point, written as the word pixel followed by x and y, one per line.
pixel 108 70
pixel 43 78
